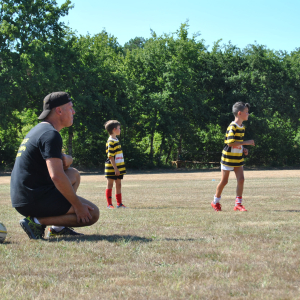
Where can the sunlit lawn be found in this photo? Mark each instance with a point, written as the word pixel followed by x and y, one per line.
pixel 169 244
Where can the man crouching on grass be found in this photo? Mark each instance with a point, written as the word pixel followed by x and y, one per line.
pixel 43 186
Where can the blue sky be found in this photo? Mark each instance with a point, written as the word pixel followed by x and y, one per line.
pixel 273 23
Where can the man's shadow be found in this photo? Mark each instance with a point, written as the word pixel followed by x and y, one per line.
pixel 116 238
pixel 97 237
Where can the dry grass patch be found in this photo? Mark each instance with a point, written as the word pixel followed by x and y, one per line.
pixel 170 244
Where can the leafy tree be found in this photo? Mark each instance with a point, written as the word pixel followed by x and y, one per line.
pixel 172 96
pixel 30 34
pixel 32 45
pixel 98 90
pixel 136 43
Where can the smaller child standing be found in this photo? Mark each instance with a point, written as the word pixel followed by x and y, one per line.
pixel 232 155
pixel 114 164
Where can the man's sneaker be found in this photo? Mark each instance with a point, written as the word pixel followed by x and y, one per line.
pixel 121 206
pixel 66 231
pixel 110 207
pixel 33 230
pixel 240 207
pixel 216 207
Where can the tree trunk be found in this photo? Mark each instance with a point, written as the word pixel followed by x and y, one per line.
pixel 151 148
pixel 162 145
pixel 169 153
pixel 179 156
pixel 152 138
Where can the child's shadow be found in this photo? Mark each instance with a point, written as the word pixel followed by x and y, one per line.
pixel 97 237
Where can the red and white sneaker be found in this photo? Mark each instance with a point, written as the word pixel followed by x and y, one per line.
pixel 240 207
pixel 110 207
pixel 216 207
pixel 121 206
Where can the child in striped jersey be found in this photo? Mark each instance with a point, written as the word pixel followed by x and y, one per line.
pixel 114 164
pixel 232 155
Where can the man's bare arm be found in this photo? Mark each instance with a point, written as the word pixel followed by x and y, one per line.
pixel 67 161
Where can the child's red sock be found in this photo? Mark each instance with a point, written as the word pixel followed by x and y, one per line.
pixel 119 199
pixel 238 200
pixel 108 193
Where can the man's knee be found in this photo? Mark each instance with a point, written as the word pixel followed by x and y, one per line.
pixel 73 174
pixel 77 175
pixel 95 214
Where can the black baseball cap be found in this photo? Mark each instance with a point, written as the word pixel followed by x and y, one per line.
pixel 54 100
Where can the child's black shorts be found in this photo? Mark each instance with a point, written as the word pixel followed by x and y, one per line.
pixel 115 177
pixel 53 204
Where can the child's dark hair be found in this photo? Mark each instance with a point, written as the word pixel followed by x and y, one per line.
pixel 111 125
pixel 239 106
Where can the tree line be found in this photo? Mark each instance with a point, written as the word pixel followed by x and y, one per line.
pixel 172 94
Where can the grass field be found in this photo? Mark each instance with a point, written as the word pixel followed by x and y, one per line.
pixel 170 244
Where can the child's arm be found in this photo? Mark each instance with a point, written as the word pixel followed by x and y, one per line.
pixel 112 160
pixel 249 142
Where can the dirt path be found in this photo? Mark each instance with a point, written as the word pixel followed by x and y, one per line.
pixel 205 175
pixel 192 175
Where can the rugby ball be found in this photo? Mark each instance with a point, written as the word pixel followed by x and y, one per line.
pixel 3 233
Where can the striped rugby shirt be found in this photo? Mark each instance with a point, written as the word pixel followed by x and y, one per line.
pixel 113 149
pixel 233 156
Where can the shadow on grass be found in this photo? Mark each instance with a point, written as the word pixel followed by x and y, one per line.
pixel 97 237
pixel 6 243
pixel 287 210
pixel 184 240
pixel 117 239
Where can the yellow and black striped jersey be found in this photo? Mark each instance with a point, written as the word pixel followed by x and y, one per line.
pixel 233 156
pixel 113 149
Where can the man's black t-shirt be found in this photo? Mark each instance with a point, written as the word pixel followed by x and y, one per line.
pixel 30 179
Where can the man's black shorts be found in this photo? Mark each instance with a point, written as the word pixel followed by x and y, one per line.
pixel 50 206
pixel 115 177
